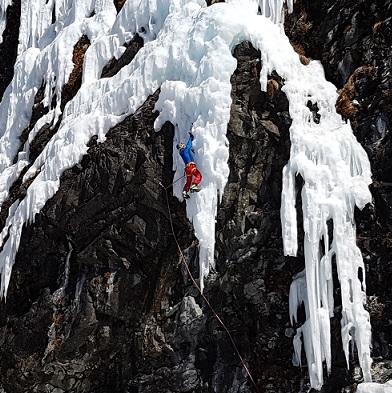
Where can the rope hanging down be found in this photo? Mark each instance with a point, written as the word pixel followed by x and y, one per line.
pixel 198 288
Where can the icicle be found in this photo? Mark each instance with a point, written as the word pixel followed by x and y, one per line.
pixel 273 9
pixel 3 14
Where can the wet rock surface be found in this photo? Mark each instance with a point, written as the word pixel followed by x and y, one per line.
pixel 100 300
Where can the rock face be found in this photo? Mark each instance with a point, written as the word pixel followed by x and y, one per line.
pixel 8 48
pixel 100 300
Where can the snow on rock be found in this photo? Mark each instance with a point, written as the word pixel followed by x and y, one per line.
pixel 187 55
pixel 369 387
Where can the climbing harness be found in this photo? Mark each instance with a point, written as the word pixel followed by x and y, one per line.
pixel 198 288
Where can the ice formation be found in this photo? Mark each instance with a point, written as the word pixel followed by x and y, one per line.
pixel 336 173
pixel 3 16
pixel 187 54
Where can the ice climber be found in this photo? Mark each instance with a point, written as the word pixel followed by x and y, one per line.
pixel 190 168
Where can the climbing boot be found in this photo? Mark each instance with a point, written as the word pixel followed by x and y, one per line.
pixel 185 195
pixel 194 188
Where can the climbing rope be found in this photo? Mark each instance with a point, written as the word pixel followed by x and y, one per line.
pixel 175 181
pixel 198 287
